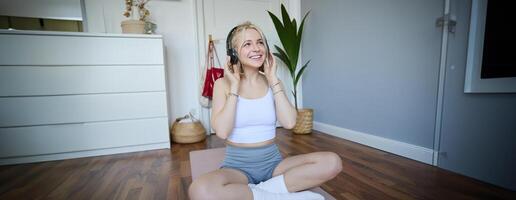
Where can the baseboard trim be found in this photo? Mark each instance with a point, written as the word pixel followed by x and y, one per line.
pixel 407 150
pixel 80 154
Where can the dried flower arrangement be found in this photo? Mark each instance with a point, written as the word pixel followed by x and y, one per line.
pixel 140 4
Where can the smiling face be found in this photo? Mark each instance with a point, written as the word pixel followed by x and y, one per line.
pixel 251 48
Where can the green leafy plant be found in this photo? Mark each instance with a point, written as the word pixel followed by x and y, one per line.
pixel 290 37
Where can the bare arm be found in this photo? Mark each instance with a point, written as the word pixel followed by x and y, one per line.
pixel 224 108
pixel 224 102
pixel 285 112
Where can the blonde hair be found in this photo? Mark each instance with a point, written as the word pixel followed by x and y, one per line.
pixel 237 34
pixel 240 29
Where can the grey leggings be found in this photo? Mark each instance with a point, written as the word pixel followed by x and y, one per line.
pixel 256 163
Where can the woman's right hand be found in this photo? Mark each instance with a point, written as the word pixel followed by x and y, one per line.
pixel 233 77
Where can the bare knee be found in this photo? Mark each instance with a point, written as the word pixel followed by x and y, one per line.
pixel 201 188
pixel 197 189
pixel 332 163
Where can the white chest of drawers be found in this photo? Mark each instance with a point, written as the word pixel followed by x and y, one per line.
pixel 68 95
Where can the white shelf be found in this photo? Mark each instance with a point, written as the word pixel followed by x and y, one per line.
pixel 67 95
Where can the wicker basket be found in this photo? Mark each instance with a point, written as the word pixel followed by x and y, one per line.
pixel 304 121
pixel 187 132
pixel 133 26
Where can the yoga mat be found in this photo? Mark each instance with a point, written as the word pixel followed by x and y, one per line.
pixel 204 161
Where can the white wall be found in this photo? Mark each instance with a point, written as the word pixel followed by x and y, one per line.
pixel 50 9
pixel 176 22
pixel 375 70
pixel 478 130
pixel 373 75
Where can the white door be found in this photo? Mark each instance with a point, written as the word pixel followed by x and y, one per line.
pixel 217 18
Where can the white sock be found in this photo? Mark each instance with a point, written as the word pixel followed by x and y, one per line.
pixel 260 194
pixel 275 185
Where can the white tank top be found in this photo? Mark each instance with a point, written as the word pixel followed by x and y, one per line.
pixel 255 120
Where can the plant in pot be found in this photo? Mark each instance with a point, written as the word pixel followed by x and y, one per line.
pixel 135 25
pixel 290 37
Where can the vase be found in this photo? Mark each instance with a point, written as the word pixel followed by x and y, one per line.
pixel 150 28
pixel 133 26
pixel 304 121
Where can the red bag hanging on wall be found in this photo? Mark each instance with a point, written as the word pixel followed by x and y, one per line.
pixel 212 73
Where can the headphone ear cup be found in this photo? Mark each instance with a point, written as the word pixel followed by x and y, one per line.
pixel 266 44
pixel 231 52
pixel 233 57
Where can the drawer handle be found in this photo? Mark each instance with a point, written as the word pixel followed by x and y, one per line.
pixel 71 123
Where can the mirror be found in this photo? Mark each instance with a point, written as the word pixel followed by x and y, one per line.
pixel 43 15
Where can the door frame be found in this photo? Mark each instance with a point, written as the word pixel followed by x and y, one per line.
pixel 440 92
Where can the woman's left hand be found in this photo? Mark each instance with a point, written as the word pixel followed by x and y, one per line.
pixel 270 68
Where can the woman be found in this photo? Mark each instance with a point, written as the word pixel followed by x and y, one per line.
pixel 246 104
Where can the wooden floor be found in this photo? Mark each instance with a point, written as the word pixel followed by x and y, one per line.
pixel 165 174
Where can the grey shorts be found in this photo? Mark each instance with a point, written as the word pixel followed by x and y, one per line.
pixel 256 163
